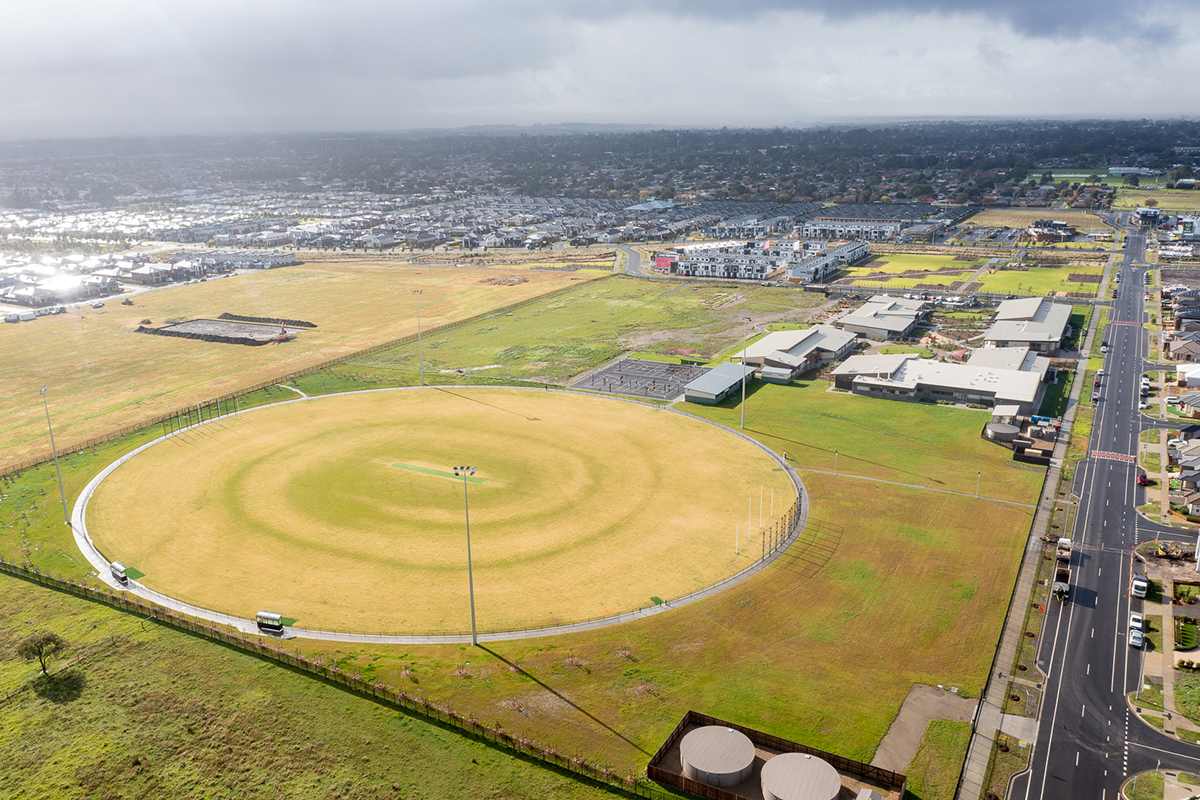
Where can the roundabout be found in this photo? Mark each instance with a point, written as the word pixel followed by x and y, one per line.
pixel 343 513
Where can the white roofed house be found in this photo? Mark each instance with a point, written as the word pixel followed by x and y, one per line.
pixel 1032 322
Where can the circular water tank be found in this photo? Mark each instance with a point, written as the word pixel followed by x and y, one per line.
pixel 796 776
pixel 717 755
pixel 1002 431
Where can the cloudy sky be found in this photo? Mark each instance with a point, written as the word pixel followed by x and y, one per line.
pixel 101 67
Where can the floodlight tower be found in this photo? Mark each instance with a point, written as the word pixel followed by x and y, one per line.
pixel 464 473
pixel 54 450
pixel 420 351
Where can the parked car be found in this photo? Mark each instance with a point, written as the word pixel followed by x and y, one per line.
pixel 1103 349
pixel 1143 405
pixel 1136 638
pixel 1100 373
pixel 1144 480
pixel 1176 442
pixel 98 304
pixel 1096 382
pixel 1172 401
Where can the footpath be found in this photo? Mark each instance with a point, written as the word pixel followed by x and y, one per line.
pixel 990 719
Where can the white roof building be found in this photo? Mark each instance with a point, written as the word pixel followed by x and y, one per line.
pixel 884 317
pixel 1032 322
pixel 799 351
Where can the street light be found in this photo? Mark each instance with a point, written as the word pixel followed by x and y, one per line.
pixel 466 472
pixel 420 352
pixel 745 344
pixel 54 450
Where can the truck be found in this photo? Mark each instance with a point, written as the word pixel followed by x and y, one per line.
pixel 1062 581
pixel 1063 551
pixel 1139 586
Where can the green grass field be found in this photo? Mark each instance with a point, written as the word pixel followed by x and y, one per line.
pixel 313 507
pixel 103 376
pixel 565 335
pixel 137 710
pixel 934 772
pixel 1041 280
pixel 896 263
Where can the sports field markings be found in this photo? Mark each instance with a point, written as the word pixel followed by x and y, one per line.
pixel 440 473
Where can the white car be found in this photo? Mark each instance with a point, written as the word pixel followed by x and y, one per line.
pixel 1172 401
pixel 1176 442
pixel 98 304
pixel 1100 373
pixel 1136 638
pixel 1103 349
pixel 1143 405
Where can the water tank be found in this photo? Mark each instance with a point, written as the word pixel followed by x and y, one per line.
pixel 796 776
pixel 1002 431
pixel 717 755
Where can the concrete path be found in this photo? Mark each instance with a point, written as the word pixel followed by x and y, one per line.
pixel 990 719
pixel 922 705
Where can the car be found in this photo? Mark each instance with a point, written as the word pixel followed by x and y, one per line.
pixel 1103 349
pixel 1172 401
pixel 1145 391
pixel 98 304
pixel 1136 638
pixel 1137 622
pixel 1143 405
pixel 1096 396
pixel 1100 372
pixel 1144 480
pixel 1176 442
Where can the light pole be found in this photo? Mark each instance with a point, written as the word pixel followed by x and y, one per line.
pixel 54 450
pixel 466 472
pixel 978 476
pixel 420 351
pixel 745 344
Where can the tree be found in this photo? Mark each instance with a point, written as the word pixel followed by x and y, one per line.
pixel 1131 180
pixel 1151 202
pixel 42 645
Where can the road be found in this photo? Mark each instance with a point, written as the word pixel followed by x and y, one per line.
pixel 1089 741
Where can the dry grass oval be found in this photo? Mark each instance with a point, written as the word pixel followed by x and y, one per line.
pixel 585 507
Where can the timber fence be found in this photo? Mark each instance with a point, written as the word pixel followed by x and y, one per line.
pixel 577 765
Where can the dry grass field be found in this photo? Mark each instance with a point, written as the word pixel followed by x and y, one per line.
pixel 1023 217
pixel 584 507
pixel 103 376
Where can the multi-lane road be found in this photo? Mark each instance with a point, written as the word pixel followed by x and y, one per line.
pixel 1089 740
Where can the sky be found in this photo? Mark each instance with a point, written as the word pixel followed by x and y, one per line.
pixel 133 67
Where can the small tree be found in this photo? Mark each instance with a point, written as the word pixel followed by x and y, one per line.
pixel 43 645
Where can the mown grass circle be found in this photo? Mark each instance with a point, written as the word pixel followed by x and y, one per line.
pixel 342 512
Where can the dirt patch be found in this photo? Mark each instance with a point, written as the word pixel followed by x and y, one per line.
pixel 506 280
pixel 1075 277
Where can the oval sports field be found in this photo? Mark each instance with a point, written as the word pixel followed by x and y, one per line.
pixel 342 512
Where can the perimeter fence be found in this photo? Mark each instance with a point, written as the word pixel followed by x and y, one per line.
pixel 578 765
